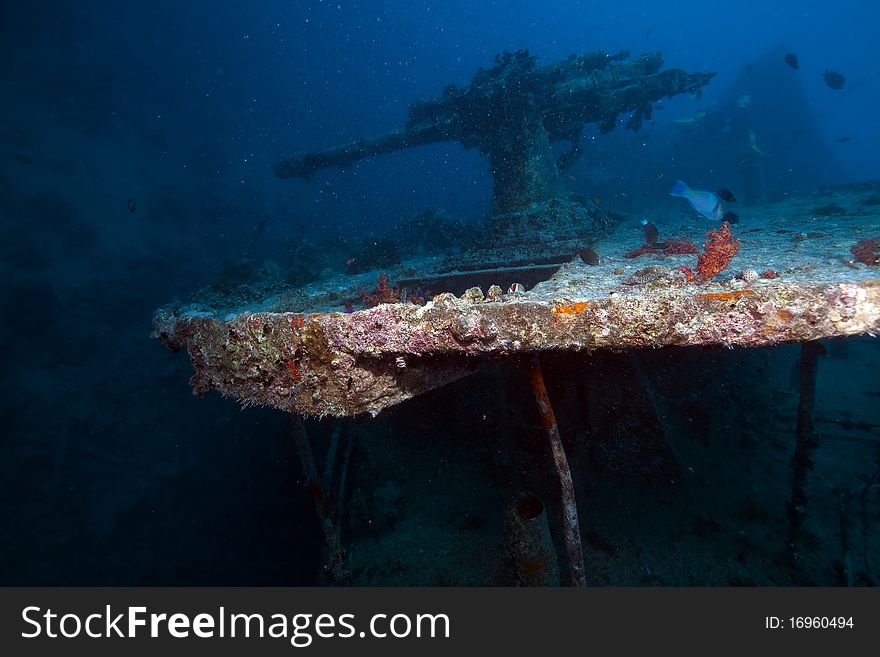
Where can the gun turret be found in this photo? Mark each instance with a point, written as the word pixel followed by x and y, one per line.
pixel 513 111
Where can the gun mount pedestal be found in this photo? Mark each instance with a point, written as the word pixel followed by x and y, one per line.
pixel 513 112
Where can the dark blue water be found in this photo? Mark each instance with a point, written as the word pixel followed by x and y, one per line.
pixel 137 146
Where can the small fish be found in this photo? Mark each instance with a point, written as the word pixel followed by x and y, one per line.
pixel 842 140
pixel 744 101
pixel 730 217
pixel 726 195
pixel 589 256
pixel 131 206
pixel 749 68
pixel 834 79
pixel 650 231
pixel 706 203
pixel 792 60
pixel 658 178
pixel 691 119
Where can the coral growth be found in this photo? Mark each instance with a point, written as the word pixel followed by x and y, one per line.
pixel 867 251
pixel 725 296
pixel 678 247
pixel 748 276
pixel 642 250
pixel 571 309
pixel 383 293
pixel 687 272
pixel 720 247
pixel 420 297
pixel 669 247
pixel 645 275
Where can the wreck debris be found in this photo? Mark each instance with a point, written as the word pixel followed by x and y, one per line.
pixel 334 559
pixel 807 442
pixel 529 542
pixel 570 523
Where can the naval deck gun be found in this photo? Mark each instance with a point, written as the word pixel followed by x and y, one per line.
pixel 513 112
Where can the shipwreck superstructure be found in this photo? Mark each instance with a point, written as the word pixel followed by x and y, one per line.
pixel 513 112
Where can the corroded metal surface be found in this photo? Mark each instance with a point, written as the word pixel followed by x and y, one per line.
pixel 350 363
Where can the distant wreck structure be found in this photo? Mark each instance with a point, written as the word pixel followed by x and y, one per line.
pixel 513 112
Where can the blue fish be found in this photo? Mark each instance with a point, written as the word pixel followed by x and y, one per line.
pixel 706 203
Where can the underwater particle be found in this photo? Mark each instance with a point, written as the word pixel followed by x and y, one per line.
pixel 834 79
pixel 131 206
pixel 726 195
pixel 516 288
pixel 867 251
pixel 720 248
pixel 706 203
pixel 769 274
pixel 650 231
pixel 792 60
pixel 589 256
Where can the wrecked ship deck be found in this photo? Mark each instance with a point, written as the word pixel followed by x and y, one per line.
pixel 310 350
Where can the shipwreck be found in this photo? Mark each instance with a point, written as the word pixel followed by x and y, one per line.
pixel 304 352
